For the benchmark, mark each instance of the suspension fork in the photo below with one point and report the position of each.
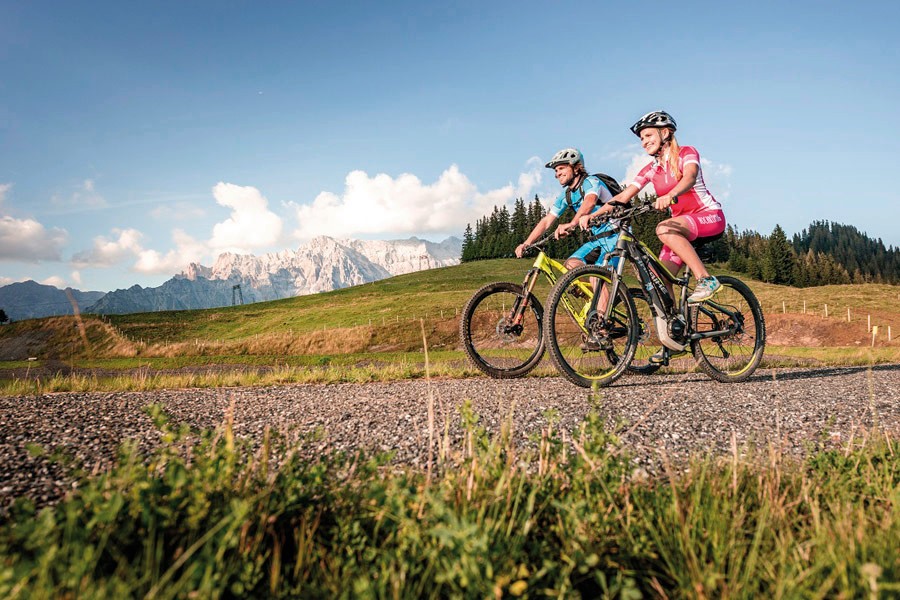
(595, 296)
(521, 304)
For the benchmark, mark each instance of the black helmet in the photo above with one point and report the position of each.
(657, 118)
(566, 156)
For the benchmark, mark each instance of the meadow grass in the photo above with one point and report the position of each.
(364, 333)
(381, 313)
(210, 371)
(208, 515)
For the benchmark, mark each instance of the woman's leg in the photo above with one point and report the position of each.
(676, 233)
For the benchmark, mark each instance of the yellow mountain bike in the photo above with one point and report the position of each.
(501, 328)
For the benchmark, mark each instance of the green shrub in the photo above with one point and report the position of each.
(210, 516)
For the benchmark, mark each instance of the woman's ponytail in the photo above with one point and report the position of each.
(674, 151)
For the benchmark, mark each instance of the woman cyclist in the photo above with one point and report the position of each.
(675, 172)
(582, 193)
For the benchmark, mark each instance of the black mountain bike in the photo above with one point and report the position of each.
(596, 343)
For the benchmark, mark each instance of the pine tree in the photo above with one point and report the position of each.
(779, 258)
(519, 224)
(468, 244)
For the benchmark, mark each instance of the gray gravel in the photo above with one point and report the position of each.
(679, 414)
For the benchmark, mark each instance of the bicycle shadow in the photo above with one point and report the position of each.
(774, 374)
(812, 373)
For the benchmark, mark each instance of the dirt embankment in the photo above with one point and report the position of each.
(809, 330)
(57, 340)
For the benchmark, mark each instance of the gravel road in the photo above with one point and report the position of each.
(682, 414)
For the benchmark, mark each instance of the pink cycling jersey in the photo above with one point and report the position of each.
(696, 199)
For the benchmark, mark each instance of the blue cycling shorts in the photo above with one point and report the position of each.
(595, 251)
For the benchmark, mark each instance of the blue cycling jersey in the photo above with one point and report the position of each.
(590, 185)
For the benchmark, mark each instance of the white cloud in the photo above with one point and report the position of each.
(108, 252)
(718, 178)
(85, 196)
(76, 277)
(4, 188)
(404, 205)
(29, 241)
(57, 282)
(187, 250)
(638, 162)
(251, 224)
(125, 245)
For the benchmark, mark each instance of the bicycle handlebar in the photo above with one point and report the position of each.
(540, 243)
(626, 211)
(622, 211)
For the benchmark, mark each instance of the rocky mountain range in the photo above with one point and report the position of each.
(30, 300)
(322, 265)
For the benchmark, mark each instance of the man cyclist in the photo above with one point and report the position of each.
(584, 194)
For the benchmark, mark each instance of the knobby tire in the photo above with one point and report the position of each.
(731, 357)
(484, 334)
(599, 357)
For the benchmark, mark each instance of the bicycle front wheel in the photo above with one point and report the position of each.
(734, 332)
(502, 337)
(587, 349)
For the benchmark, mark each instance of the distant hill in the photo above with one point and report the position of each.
(393, 315)
(864, 258)
(322, 265)
(31, 300)
(175, 294)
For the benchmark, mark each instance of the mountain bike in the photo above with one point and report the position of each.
(501, 328)
(725, 334)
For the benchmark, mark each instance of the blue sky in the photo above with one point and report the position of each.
(136, 137)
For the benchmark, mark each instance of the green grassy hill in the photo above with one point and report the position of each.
(376, 317)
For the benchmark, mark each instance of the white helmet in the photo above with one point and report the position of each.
(566, 156)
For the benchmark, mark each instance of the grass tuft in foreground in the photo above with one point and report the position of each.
(209, 516)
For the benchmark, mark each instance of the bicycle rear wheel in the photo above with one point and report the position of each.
(586, 350)
(735, 354)
(494, 343)
(648, 341)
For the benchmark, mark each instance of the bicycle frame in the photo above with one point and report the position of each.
(551, 269)
(651, 273)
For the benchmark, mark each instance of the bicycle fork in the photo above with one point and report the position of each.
(521, 305)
